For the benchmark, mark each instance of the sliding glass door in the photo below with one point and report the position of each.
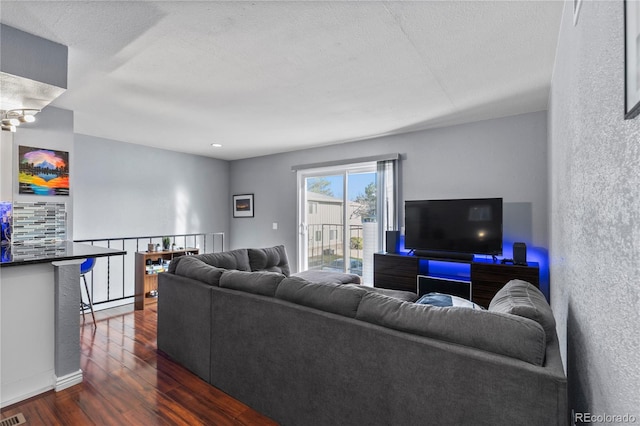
(339, 220)
(324, 221)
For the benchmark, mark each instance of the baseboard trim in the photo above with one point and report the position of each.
(69, 380)
(24, 396)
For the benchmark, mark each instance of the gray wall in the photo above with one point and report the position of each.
(127, 190)
(29, 56)
(506, 157)
(53, 129)
(594, 162)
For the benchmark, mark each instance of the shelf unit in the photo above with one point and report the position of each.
(145, 282)
(400, 272)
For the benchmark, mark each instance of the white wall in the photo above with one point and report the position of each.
(506, 157)
(129, 190)
(27, 340)
(594, 169)
(26, 322)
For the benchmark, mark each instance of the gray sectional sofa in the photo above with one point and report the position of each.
(329, 353)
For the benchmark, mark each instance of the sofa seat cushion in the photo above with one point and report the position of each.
(262, 283)
(329, 297)
(504, 334)
(272, 259)
(316, 276)
(192, 267)
(521, 298)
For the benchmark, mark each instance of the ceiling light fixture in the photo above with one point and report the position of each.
(216, 145)
(27, 118)
(14, 117)
(10, 122)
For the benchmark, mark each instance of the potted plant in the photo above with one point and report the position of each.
(166, 242)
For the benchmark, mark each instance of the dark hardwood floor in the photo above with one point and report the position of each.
(127, 382)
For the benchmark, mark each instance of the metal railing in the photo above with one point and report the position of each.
(112, 279)
(325, 246)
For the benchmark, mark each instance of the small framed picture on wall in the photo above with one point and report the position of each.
(632, 58)
(243, 205)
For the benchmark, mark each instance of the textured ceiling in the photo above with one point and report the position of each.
(264, 77)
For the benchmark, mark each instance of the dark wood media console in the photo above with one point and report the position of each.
(400, 272)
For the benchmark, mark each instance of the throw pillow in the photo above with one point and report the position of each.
(446, 300)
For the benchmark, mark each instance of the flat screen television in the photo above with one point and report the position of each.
(449, 228)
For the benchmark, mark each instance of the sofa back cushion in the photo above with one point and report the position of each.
(316, 276)
(234, 259)
(504, 334)
(521, 298)
(191, 267)
(330, 297)
(262, 283)
(272, 259)
(407, 296)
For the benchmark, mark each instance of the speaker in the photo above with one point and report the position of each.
(392, 241)
(519, 254)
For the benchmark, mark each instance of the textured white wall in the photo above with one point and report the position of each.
(594, 162)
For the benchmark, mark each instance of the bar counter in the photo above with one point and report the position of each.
(29, 254)
(40, 317)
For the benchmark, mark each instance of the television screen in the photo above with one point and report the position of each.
(467, 226)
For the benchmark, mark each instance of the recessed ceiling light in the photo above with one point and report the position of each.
(216, 145)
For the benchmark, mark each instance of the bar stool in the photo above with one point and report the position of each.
(85, 268)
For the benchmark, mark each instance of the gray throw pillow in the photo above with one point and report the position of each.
(520, 298)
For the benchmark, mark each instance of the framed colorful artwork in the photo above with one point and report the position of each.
(43, 171)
